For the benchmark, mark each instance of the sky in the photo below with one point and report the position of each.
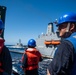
(26, 19)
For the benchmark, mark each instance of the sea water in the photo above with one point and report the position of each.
(16, 57)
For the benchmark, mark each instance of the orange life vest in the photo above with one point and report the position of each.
(1, 47)
(33, 57)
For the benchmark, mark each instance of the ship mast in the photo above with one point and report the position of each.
(19, 41)
(50, 28)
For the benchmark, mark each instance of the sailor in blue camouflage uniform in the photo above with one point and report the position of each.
(64, 61)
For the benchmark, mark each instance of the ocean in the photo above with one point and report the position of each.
(16, 57)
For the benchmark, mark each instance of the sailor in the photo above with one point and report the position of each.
(31, 58)
(5, 57)
(64, 61)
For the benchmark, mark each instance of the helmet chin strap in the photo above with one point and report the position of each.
(67, 33)
(68, 27)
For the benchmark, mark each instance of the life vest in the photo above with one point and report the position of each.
(1, 47)
(33, 57)
(72, 39)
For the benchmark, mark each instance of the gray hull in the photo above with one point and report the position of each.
(47, 50)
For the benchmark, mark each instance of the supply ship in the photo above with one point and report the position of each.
(19, 45)
(47, 43)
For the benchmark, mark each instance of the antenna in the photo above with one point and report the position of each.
(56, 21)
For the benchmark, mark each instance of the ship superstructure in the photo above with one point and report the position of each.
(47, 43)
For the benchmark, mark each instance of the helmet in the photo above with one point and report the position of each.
(32, 43)
(68, 17)
(1, 25)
